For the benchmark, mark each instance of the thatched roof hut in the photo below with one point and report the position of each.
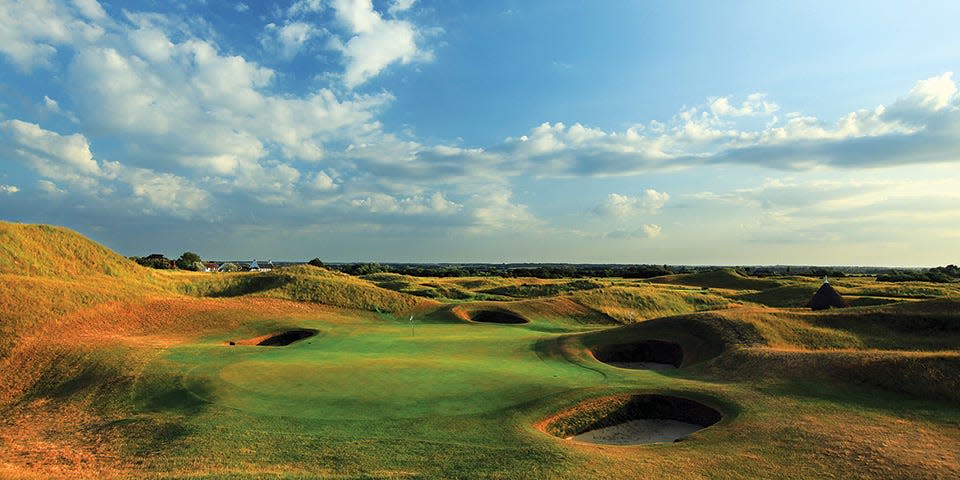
(826, 297)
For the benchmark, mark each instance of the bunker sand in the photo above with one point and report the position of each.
(638, 432)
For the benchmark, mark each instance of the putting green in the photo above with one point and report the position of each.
(371, 371)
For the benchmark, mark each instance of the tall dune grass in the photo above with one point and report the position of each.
(641, 302)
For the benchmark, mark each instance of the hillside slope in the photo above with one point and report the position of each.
(306, 283)
(726, 278)
(48, 272)
(58, 252)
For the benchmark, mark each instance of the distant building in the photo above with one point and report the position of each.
(826, 297)
(211, 267)
(256, 267)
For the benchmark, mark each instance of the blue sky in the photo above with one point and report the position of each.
(409, 130)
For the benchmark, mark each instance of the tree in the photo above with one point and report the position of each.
(316, 263)
(368, 268)
(229, 267)
(188, 261)
(156, 260)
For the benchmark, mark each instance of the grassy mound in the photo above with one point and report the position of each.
(921, 375)
(528, 289)
(306, 283)
(787, 296)
(48, 272)
(436, 288)
(726, 278)
(480, 288)
(58, 252)
(928, 325)
(701, 336)
(144, 326)
(550, 313)
(641, 302)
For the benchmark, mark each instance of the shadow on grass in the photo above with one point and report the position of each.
(248, 285)
(863, 397)
(168, 394)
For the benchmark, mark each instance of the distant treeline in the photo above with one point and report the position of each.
(584, 270)
(506, 270)
(947, 274)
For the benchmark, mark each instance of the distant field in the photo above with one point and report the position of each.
(110, 370)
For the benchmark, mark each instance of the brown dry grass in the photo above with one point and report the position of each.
(51, 440)
(552, 308)
(150, 324)
(644, 301)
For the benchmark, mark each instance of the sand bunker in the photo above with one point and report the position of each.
(645, 354)
(277, 339)
(288, 337)
(497, 316)
(633, 420)
(637, 432)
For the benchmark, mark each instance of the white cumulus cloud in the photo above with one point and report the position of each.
(649, 202)
(68, 158)
(373, 42)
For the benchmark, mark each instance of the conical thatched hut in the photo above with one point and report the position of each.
(826, 297)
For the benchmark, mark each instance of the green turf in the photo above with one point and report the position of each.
(373, 397)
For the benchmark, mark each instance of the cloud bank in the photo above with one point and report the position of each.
(157, 118)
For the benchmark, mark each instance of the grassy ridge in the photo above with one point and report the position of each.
(726, 278)
(481, 288)
(554, 313)
(640, 302)
(306, 283)
(144, 325)
(910, 348)
(48, 272)
(923, 375)
(437, 288)
(57, 252)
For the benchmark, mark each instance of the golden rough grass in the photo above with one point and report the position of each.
(781, 329)
(480, 288)
(554, 308)
(890, 449)
(641, 302)
(48, 272)
(58, 252)
(930, 375)
(148, 325)
(304, 283)
(725, 278)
